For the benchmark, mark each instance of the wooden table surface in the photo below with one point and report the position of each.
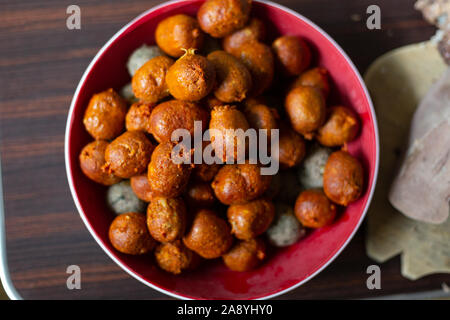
(41, 62)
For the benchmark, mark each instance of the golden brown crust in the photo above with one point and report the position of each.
(341, 126)
(138, 117)
(292, 147)
(315, 77)
(141, 187)
(199, 194)
(149, 83)
(292, 54)
(245, 255)
(209, 235)
(175, 257)
(179, 32)
(250, 219)
(313, 209)
(254, 30)
(92, 161)
(105, 115)
(260, 116)
(166, 218)
(128, 234)
(220, 18)
(343, 178)
(128, 154)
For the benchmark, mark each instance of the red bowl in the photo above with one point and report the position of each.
(287, 268)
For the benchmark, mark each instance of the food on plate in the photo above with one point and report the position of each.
(245, 255)
(285, 229)
(105, 115)
(240, 183)
(128, 154)
(310, 172)
(209, 235)
(178, 32)
(199, 194)
(220, 18)
(128, 234)
(149, 82)
(175, 257)
(291, 147)
(92, 160)
(120, 198)
(292, 54)
(341, 126)
(138, 117)
(205, 172)
(260, 116)
(166, 218)
(140, 56)
(254, 30)
(233, 80)
(313, 209)
(141, 187)
(191, 77)
(343, 178)
(250, 219)
(315, 77)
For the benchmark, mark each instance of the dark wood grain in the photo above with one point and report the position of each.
(41, 62)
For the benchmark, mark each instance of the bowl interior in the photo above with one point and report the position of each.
(285, 267)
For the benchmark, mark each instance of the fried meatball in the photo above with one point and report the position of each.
(316, 77)
(92, 160)
(120, 198)
(285, 229)
(240, 183)
(128, 234)
(128, 154)
(305, 107)
(292, 54)
(141, 187)
(260, 116)
(291, 147)
(254, 30)
(175, 114)
(250, 219)
(225, 120)
(245, 255)
(105, 115)
(220, 18)
(166, 218)
(313, 209)
(310, 172)
(209, 235)
(167, 179)
(233, 80)
(149, 83)
(178, 32)
(258, 59)
(206, 172)
(140, 56)
(138, 117)
(175, 257)
(210, 102)
(199, 194)
(341, 126)
(343, 178)
(191, 77)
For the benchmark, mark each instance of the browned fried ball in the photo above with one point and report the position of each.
(343, 178)
(105, 115)
(176, 114)
(149, 83)
(313, 209)
(341, 126)
(128, 154)
(175, 257)
(260, 116)
(227, 143)
(258, 59)
(167, 179)
(291, 147)
(250, 219)
(92, 161)
(128, 234)
(191, 77)
(292, 54)
(210, 102)
(240, 183)
(245, 255)
(220, 18)
(316, 77)
(305, 107)
(233, 80)
(178, 32)
(205, 172)
(138, 117)
(209, 235)
(141, 187)
(166, 218)
(254, 30)
(199, 194)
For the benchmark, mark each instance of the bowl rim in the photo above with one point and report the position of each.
(129, 270)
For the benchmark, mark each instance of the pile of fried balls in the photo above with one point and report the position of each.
(217, 68)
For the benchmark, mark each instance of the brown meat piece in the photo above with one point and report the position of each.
(291, 147)
(175, 257)
(313, 209)
(254, 30)
(105, 115)
(141, 187)
(341, 127)
(245, 255)
(199, 194)
(138, 117)
(316, 77)
(166, 219)
(260, 116)
(292, 54)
